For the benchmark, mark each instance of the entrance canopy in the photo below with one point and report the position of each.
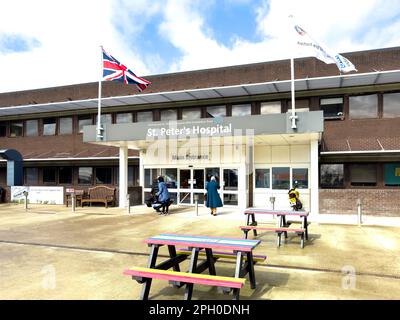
(261, 129)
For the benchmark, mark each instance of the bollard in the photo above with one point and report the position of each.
(196, 202)
(272, 200)
(73, 201)
(26, 193)
(359, 213)
(128, 200)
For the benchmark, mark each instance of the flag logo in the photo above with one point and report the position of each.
(299, 30)
(113, 70)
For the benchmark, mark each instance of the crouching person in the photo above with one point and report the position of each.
(163, 195)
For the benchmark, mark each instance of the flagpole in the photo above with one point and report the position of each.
(99, 127)
(293, 117)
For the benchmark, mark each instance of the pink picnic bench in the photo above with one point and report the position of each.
(283, 225)
(193, 247)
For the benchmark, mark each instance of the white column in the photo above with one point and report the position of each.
(141, 172)
(123, 176)
(314, 192)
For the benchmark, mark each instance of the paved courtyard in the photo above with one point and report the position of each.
(50, 252)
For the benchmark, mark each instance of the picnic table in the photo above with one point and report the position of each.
(180, 247)
(283, 226)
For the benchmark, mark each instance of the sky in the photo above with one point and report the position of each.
(49, 43)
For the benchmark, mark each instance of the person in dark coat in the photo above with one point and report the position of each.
(213, 199)
(163, 195)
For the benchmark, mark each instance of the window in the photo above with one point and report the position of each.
(49, 126)
(262, 178)
(216, 111)
(31, 176)
(105, 118)
(392, 174)
(191, 114)
(332, 107)
(16, 129)
(84, 121)
(281, 178)
(362, 107)
(301, 105)
(331, 175)
(363, 174)
(300, 178)
(144, 116)
(49, 175)
(133, 176)
(170, 177)
(212, 172)
(103, 175)
(65, 175)
(85, 175)
(391, 105)
(241, 110)
(169, 114)
(65, 126)
(123, 118)
(3, 129)
(270, 107)
(149, 176)
(31, 128)
(230, 179)
(230, 199)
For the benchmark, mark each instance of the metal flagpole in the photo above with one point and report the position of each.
(99, 127)
(293, 117)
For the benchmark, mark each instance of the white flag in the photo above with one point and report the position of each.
(321, 52)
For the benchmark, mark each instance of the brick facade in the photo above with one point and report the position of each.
(376, 202)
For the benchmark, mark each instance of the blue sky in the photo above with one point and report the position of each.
(52, 43)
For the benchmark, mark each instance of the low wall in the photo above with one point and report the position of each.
(376, 202)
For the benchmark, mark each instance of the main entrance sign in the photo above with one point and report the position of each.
(188, 131)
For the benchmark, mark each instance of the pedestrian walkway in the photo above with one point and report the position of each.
(50, 252)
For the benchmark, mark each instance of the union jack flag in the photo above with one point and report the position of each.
(113, 70)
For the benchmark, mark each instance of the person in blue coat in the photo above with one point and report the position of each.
(213, 199)
(163, 195)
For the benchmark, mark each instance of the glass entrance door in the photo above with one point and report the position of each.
(191, 183)
(185, 186)
(198, 185)
(230, 186)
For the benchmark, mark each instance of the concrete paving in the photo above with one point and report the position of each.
(50, 252)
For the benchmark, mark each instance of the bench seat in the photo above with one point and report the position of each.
(276, 229)
(141, 274)
(220, 254)
(101, 194)
(279, 230)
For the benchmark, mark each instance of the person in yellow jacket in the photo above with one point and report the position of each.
(294, 198)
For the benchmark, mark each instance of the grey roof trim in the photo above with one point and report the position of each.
(73, 159)
(327, 153)
(339, 81)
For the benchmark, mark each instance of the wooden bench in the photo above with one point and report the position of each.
(220, 254)
(100, 194)
(279, 230)
(141, 275)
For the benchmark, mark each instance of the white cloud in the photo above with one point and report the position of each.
(70, 32)
(343, 25)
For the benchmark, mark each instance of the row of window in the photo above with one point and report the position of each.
(360, 174)
(83, 175)
(281, 178)
(360, 107)
(65, 125)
